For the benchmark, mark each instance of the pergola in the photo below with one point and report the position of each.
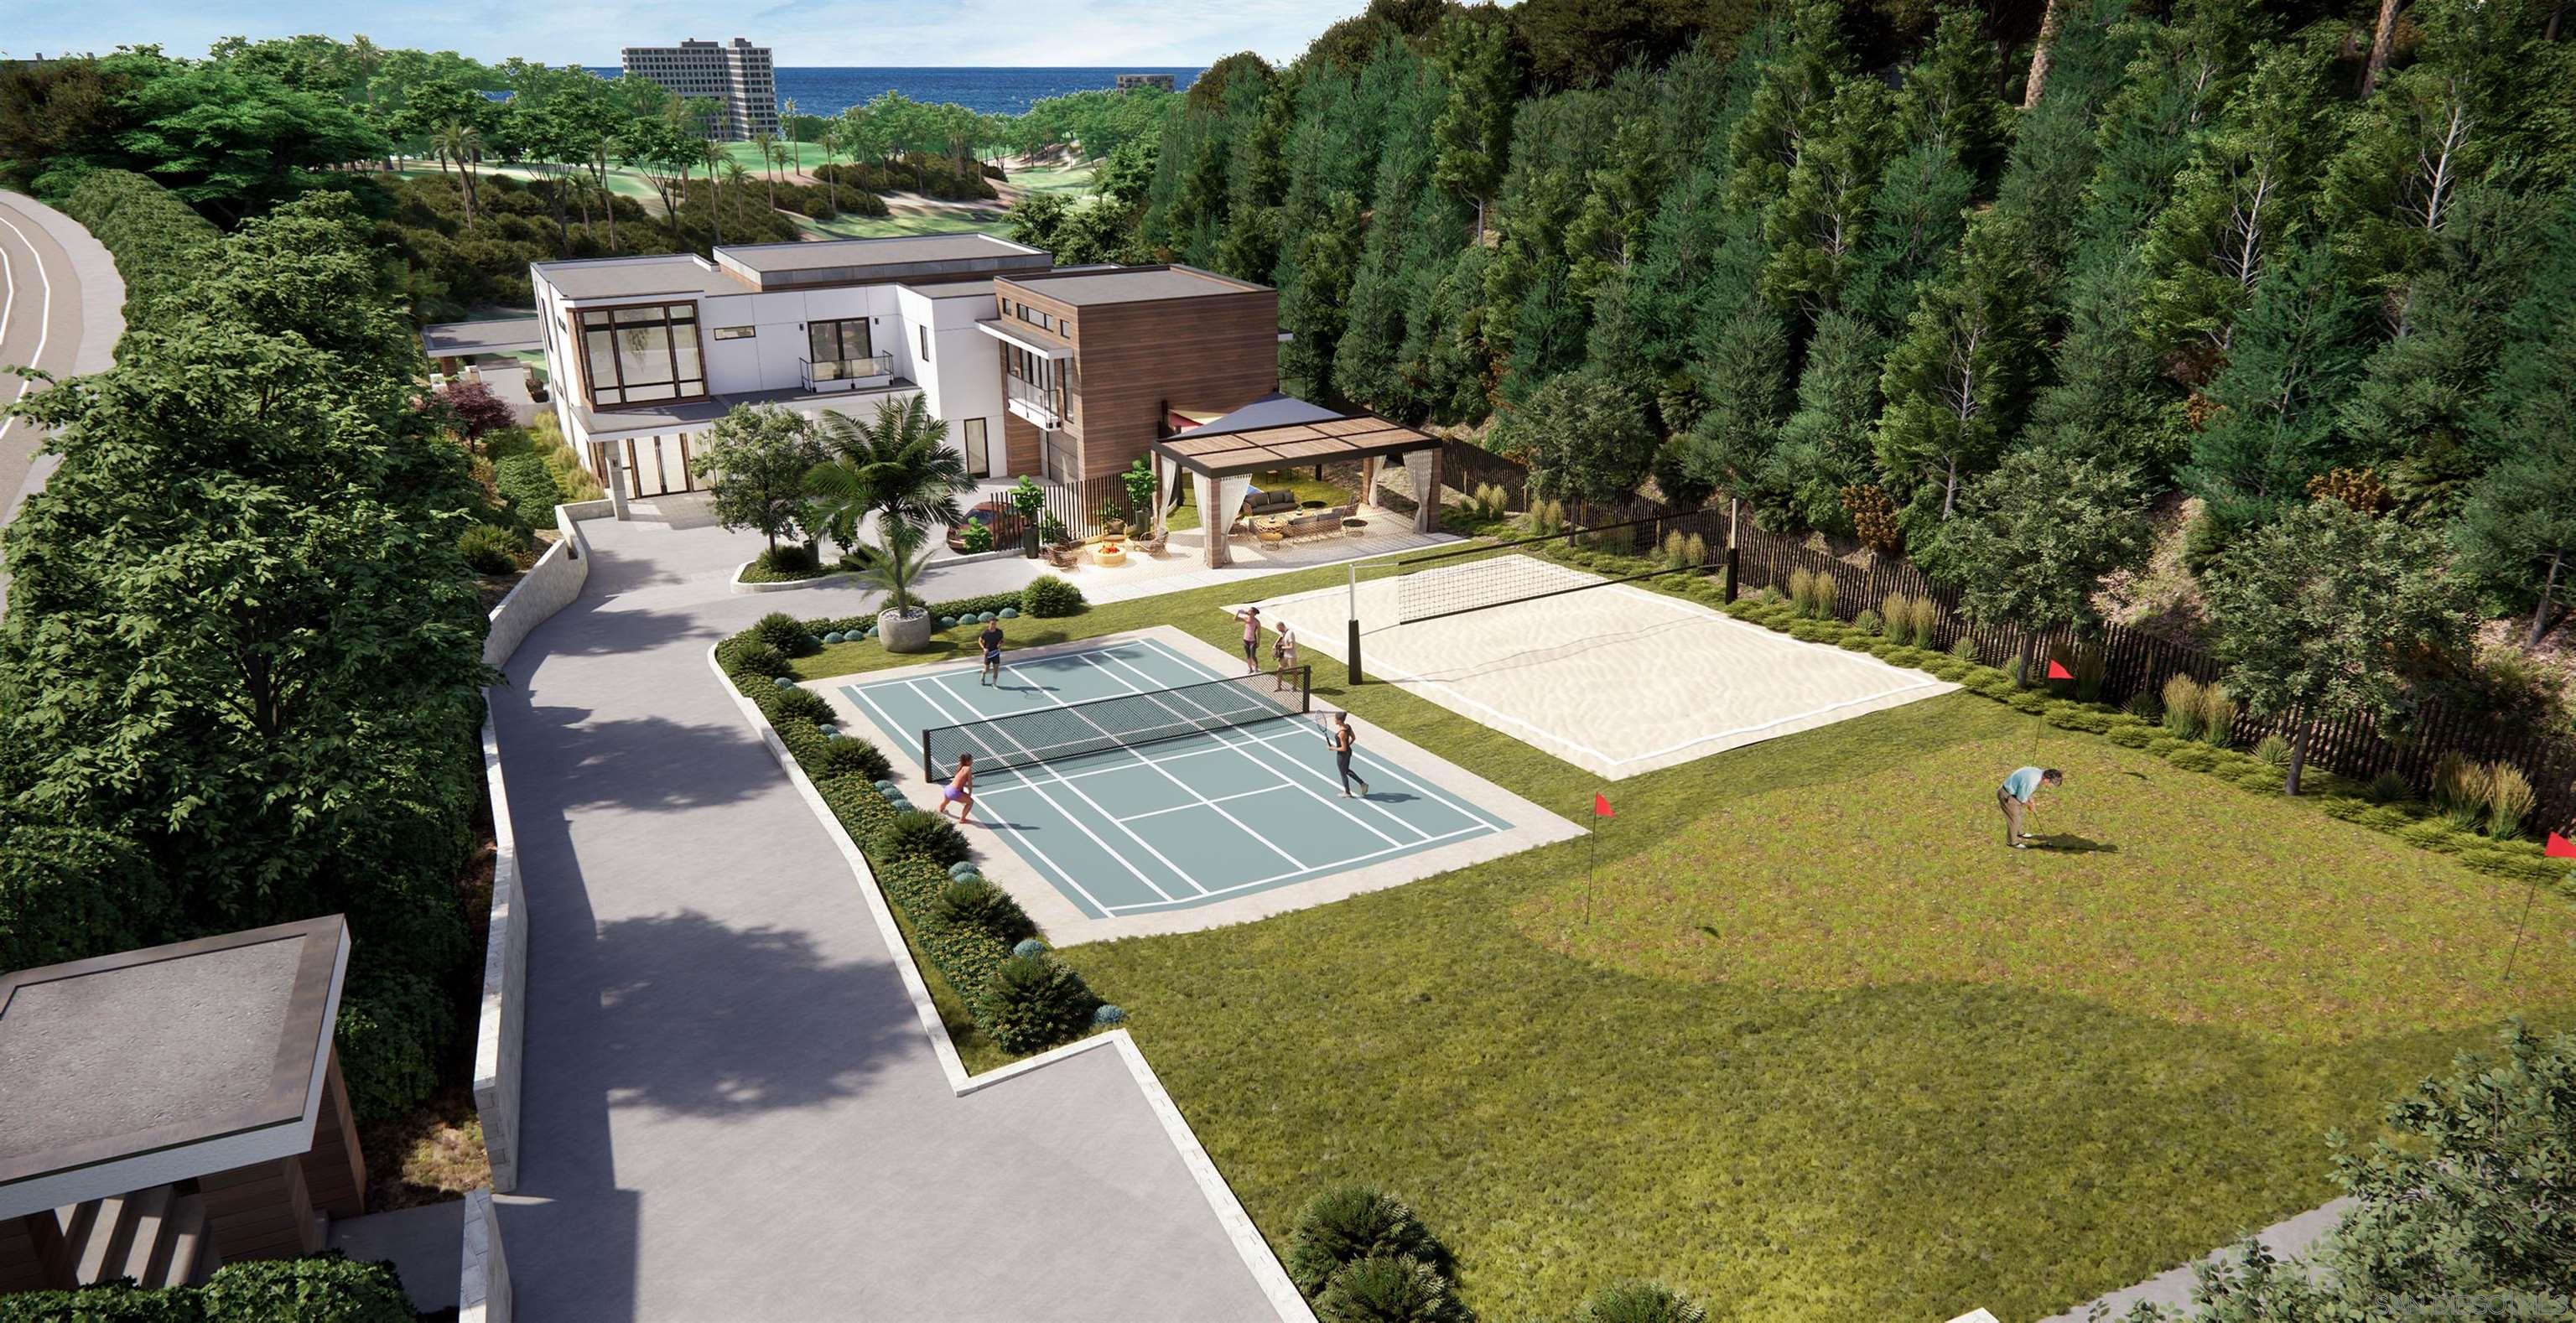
(1283, 432)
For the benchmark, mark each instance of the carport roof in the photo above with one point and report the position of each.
(498, 335)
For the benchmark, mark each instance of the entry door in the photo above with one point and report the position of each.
(979, 460)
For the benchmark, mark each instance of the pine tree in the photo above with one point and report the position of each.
(1792, 90)
(1815, 226)
(1326, 262)
(2053, 151)
(1948, 100)
(2430, 130)
(2411, 414)
(1957, 382)
(2517, 536)
(1474, 132)
(2169, 97)
(1414, 226)
(1915, 223)
(1609, 228)
(1825, 445)
(2111, 400)
(2296, 351)
(2236, 205)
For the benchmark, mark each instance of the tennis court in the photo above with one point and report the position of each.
(1614, 678)
(1195, 789)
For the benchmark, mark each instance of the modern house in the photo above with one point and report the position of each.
(737, 76)
(175, 1108)
(1068, 375)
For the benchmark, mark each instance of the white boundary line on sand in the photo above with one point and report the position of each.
(1685, 609)
(1239, 1229)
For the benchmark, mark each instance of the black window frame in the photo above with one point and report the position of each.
(612, 321)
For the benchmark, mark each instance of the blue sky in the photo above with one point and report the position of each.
(803, 32)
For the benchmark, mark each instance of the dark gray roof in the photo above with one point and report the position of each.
(129, 1058)
(953, 289)
(1255, 447)
(1130, 285)
(907, 257)
(1271, 410)
(499, 335)
(638, 277)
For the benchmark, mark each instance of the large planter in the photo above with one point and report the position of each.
(908, 632)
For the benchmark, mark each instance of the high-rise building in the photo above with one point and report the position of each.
(737, 76)
(1127, 81)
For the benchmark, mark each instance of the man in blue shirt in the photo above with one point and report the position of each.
(2015, 797)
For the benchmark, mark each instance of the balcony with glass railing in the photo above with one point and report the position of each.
(845, 373)
(1042, 405)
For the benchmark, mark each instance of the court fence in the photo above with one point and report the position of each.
(2135, 662)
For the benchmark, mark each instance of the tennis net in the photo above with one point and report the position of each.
(1049, 734)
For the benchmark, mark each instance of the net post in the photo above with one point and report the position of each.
(928, 772)
(1353, 643)
(1306, 688)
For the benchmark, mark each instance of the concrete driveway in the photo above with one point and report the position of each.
(730, 1110)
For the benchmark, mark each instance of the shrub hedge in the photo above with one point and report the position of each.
(159, 242)
(327, 1288)
(965, 955)
(1032, 1002)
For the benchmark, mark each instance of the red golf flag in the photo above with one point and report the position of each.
(2057, 671)
(2560, 847)
(1601, 807)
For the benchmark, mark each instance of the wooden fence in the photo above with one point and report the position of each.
(2137, 662)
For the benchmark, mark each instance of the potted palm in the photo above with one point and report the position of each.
(896, 472)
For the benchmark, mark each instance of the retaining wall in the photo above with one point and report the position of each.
(549, 587)
(483, 1282)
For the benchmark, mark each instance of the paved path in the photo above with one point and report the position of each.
(60, 302)
(730, 1110)
(2288, 1238)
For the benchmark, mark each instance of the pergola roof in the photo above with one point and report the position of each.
(144, 1067)
(1282, 432)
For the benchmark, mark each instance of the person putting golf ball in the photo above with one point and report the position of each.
(2019, 794)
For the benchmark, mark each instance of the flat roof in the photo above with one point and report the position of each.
(498, 335)
(638, 277)
(147, 1066)
(1142, 284)
(689, 415)
(1220, 451)
(910, 258)
(952, 289)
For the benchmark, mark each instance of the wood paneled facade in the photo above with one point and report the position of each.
(1134, 362)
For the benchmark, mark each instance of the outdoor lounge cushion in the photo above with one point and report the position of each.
(1270, 502)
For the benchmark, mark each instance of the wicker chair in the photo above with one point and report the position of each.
(1065, 556)
(1150, 546)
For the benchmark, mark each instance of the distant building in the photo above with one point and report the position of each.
(1127, 81)
(736, 76)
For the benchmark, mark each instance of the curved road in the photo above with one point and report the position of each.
(60, 302)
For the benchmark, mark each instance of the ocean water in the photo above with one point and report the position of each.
(829, 91)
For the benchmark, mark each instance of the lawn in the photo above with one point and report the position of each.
(1823, 1049)
(878, 227)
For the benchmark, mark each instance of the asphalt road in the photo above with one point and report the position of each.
(59, 301)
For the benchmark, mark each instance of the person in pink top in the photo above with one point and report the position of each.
(961, 790)
(1251, 618)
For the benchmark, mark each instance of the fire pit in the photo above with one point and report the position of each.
(1110, 553)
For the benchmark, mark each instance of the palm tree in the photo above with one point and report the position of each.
(462, 143)
(897, 467)
(831, 140)
(736, 176)
(767, 145)
(712, 155)
(787, 128)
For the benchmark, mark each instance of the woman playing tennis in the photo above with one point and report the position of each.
(961, 789)
(1284, 657)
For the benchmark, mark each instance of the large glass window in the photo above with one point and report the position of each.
(639, 355)
(838, 342)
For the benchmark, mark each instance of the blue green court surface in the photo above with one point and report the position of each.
(1231, 804)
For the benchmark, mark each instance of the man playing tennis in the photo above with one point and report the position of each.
(2019, 794)
(1251, 618)
(1342, 737)
(991, 638)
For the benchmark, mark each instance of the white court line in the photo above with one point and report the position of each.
(996, 825)
(1079, 824)
(1333, 867)
(44, 321)
(1137, 758)
(1391, 771)
(1240, 824)
(1356, 820)
(1240, 794)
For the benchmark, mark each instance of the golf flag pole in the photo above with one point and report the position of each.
(1592, 867)
(2559, 847)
